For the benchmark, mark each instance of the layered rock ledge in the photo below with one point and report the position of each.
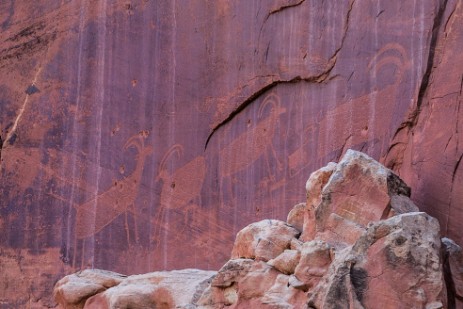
(357, 242)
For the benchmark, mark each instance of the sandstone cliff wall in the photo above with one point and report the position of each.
(158, 129)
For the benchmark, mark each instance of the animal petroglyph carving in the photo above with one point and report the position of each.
(361, 125)
(358, 125)
(249, 146)
(180, 187)
(93, 215)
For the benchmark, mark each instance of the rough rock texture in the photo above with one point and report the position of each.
(263, 240)
(453, 270)
(392, 257)
(133, 126)
(74, 289)
(296, 216)
(396, 263)
(174, 289)
(313, 187)
(359, 191)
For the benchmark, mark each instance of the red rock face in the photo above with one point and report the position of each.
(426, 150)
(159, 130)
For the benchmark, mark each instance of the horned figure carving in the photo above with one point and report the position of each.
(93, 215)
(249, 146)
(180, 187)
(360, 125)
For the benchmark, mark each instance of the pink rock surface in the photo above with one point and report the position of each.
(296, 216)
(286, 262)
(314, 187)
(263, 240)
(72, 291)
(358, 192)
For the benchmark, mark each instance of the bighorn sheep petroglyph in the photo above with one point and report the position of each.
(249, 146)
(93, 215)
(179, 187)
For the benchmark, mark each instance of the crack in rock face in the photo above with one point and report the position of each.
(370, 252)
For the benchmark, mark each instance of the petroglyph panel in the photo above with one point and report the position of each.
(141, 137)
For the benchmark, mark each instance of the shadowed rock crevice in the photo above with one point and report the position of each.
(1, 147)
(436, 29)
(455, 169)
(359, 279)
(402, 137)
(284, 7)
(315, 79)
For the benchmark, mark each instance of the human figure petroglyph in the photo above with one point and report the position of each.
(93, 215)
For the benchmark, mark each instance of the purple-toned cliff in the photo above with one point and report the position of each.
(143, 135)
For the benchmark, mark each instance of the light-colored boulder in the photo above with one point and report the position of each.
(282, 295)
(316, 257)
(166, 289)
(358, 192)
(239, 283)
(314, 187)
(286, 262)
(296, 216)
(263, 240)
(297, 284)
(453, 268)
(296, 244)
(231, 272)
(72, 291)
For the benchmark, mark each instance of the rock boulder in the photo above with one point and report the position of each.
(263, 240)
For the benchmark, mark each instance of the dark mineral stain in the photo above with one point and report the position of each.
(338, 294)
(6, 22)
(358, 277)
(13, 138)
(64, 254)
(32, 89)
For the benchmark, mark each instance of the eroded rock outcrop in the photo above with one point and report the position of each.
(363, 243)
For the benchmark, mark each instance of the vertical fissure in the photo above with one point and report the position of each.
(425, 81)
(1, 147)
